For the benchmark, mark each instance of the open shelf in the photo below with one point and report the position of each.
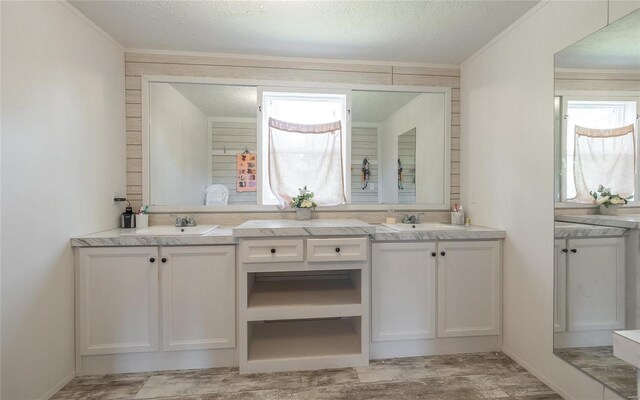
(303, 295)
(296, 299)
(304, 344)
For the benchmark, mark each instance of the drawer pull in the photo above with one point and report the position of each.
(574, 251)
(337, 249)
(442, 253)
(164, 260)
(152, 260)
(433, 254)
(273, 251)
(565, 250)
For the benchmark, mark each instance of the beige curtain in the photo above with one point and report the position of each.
(604, 157)
(306, 155)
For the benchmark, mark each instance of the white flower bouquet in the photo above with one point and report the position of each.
(604, 197)
(304, 200)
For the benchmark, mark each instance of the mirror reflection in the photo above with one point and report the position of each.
(204, 147)
(597, 93)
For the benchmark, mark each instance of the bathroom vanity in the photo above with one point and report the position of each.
(284, 295)
(596, 295)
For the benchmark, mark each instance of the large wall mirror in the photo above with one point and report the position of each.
(214, 146)
(597, 98)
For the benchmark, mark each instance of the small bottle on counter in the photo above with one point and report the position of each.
(467, 222)
(391, 216)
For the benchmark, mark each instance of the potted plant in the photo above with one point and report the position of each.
(607, 201)
(303, 203)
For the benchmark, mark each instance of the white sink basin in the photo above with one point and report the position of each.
(169, 230)
(424, 227)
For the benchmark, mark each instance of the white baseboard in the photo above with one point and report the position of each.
(537, 374)
(58, 386)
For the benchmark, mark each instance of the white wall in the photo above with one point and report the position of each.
(63, 156)
(179, 145)
(507, 168)
(425, 113)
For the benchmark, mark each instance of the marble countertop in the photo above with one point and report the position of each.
(573, 230)
(287, 228)
(122, 237)
(313, 227)
(630, 221)
(472, 232)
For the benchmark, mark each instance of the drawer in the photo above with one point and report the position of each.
(348, 249)
(266, 251)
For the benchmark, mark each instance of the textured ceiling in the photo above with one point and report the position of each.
(240, 101)
(616, 46)
(439, 32)
(219, 100)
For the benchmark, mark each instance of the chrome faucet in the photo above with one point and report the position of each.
(412, 219)
(185, 221)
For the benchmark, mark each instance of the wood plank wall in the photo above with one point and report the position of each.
(595, 80)
(138, 64)
(364, 143)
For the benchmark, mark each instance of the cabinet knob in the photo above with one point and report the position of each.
(152, 260)
(273, 251)
(164, 260)
(434, 254)
(574, 251)
(337, 249)
(442, 253)
(565, 250)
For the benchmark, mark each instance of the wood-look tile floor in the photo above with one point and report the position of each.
(600, 363)
(451, 377)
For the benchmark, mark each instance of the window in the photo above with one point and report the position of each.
(303, 140)
(590, 161)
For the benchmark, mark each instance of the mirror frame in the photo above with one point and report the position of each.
(148, 79)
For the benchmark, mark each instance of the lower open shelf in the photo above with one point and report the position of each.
(304, 344)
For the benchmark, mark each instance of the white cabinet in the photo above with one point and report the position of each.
(118, 300)
(303, 312)
(121, 290)
(595, 284)
(468, 288)
(403, 291)
(560, 285)
(198, 297)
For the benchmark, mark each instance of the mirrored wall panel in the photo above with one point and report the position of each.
(206, 145)
(402, 136)
(597, 102)
(597, 93)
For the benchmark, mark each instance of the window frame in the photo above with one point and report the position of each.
(560, 155)
(263, 132)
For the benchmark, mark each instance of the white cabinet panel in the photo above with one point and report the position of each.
(560, 285)
(198, 297)
(468, 288)
(341, 249)
(271, 251)
(403, 293)
(118, 300)
(595, 284)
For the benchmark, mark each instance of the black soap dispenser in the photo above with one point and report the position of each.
(128, 219)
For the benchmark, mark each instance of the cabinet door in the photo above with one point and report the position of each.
(468, 288)
(403, 292)
(595, 284)
(198, 297)
(118, 300)
(560, 285)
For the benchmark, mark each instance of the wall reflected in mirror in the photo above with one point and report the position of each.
(597, 92)
(397, 143)
(403, 135)
(407, 167)
(195, 134)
